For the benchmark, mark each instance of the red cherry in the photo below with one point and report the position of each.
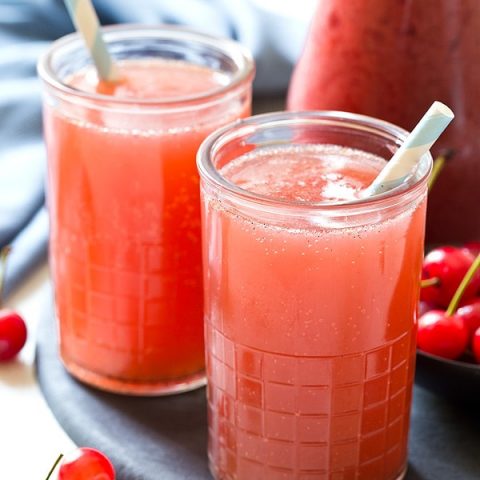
(424, 307)
(440, 335)
(13, 331)
(86, 464)
(476, 345)
(13, 334)
(472, 247)
(449, 265)
(469, 314)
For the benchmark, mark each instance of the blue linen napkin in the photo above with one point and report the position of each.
(26, 29)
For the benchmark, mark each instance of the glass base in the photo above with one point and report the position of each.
(215, 475)
(123, 387)
(402, 475)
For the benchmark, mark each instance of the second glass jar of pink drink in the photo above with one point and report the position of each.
(391, 59)
(310, 298)
(123, 198)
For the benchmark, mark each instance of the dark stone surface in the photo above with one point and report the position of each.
(153, 438)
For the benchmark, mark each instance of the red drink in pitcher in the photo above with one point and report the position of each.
(391, 59)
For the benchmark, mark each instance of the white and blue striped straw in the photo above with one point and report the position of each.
(417, 143)
(86, 22)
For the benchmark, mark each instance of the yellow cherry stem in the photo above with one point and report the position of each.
(54, 466)
(452, 307)
(437, 167)
(429, 282)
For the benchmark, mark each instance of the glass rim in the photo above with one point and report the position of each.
(209, 172)
(234, 50)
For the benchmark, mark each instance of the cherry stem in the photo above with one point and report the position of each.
(438, 165)
(429, 282)
(452, 307)
(4, 252)
(54, 466)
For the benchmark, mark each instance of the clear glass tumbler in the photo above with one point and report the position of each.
(310, 307)
(123, 198)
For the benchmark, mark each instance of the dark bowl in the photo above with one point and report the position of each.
(457, 380)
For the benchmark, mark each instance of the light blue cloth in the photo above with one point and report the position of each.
(26, 29)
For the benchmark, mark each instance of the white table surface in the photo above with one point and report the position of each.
(30, 437)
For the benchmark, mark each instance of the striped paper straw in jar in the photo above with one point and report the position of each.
(86, 22)
(418, 142)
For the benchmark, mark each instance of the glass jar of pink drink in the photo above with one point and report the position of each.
(310, 298)
(123, 199)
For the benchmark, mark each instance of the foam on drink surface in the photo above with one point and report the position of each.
(162, 89)
(306, 173)
(151, 79)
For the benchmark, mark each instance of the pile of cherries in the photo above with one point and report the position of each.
(449, 309)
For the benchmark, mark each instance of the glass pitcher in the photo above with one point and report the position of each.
(391, 59)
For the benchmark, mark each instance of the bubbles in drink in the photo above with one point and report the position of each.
(306, 173)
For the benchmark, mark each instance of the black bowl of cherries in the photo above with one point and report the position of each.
(448, 341)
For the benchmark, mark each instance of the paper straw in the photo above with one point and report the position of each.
(419, 142)
(85, 19)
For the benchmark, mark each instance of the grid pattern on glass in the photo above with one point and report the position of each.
(116, 304)
(337, 417)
